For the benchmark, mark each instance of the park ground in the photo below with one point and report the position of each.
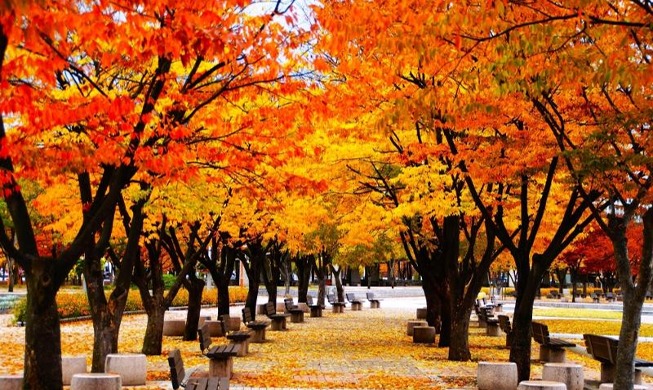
(366, 349)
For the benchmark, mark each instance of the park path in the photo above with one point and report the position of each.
(363, 350)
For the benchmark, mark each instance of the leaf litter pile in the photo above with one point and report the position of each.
(366, 349)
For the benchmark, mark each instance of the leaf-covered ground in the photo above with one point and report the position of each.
(366, 349)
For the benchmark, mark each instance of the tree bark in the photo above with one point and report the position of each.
(633, 294)
(153, 339)
(303, 274)
(195, 288)
(42, 331)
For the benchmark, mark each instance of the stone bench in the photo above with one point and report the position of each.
(231, 324)
(610, 386)
(569, 373)
(423, 334)
(132, 368)
(11, 382)
(215, 328)
(541, 385)
(304, 307)
(96, 381)
(411, 324)
(202, 319)
(174, 327)
(497, 376)
(71, 365)
(492, 328)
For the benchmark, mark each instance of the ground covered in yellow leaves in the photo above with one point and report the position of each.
(367, 349)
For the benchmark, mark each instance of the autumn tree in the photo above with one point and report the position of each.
(597, 110)
(128, 88)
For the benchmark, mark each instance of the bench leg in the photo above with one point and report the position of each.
(492, 330)
(607, 372)
(278, 324)
(552, 355)
(244, 347)
(258, 336)
(221, 367)
(297, 317)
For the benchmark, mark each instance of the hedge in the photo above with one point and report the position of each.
(73, 304)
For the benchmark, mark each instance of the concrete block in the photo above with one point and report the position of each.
(497, 376)
(132, 368)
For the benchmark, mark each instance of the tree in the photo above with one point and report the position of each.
(102, 97)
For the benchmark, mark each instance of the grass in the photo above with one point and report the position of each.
(577, 313)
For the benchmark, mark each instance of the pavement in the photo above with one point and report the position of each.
(401, 302)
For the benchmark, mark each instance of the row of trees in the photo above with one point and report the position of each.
(172, 134)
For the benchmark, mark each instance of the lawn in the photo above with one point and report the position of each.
(367, 349)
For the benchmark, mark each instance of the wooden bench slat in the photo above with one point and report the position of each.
(541, 336)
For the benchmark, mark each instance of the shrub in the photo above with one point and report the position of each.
(19, 310)
(72, 304)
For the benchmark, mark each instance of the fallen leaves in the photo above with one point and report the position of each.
(367, 349)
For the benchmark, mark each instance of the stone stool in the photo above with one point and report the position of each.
(424, 334)
(232, 324)
(412, 324)
(497, 376)
(203, 319)
(304, 307)
(421, 313)
(541, 385)
(281, 307)
(96, 381)
(215, 328)
(174, 327)
(569, 373)
(71, 365)
(11, 382)
(260, 309)
(609, 386)
(132, 368)
(492, 329)
(553, 355)
(337, 307)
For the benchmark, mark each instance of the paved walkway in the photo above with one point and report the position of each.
(357, 362)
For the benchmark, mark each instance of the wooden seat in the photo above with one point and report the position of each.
(337, 306)
(278, 319)
(178, 375)
(221, 356)
(316, 310)
(239, 337)
(356, 304)
(604, 349)
(212, 383)
(551, 350)
(506, 327)
(296, 314)
(257, 327)
(375, 303)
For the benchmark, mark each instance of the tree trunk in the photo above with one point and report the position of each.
(12, 274)
(520, 349)
(633, 295)
(42, 332)
(153, 339)
(106, 327)
(195, 288)
(303, 274)
(339, 290)
(459, 343)
(222, 285)
(442, 291)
